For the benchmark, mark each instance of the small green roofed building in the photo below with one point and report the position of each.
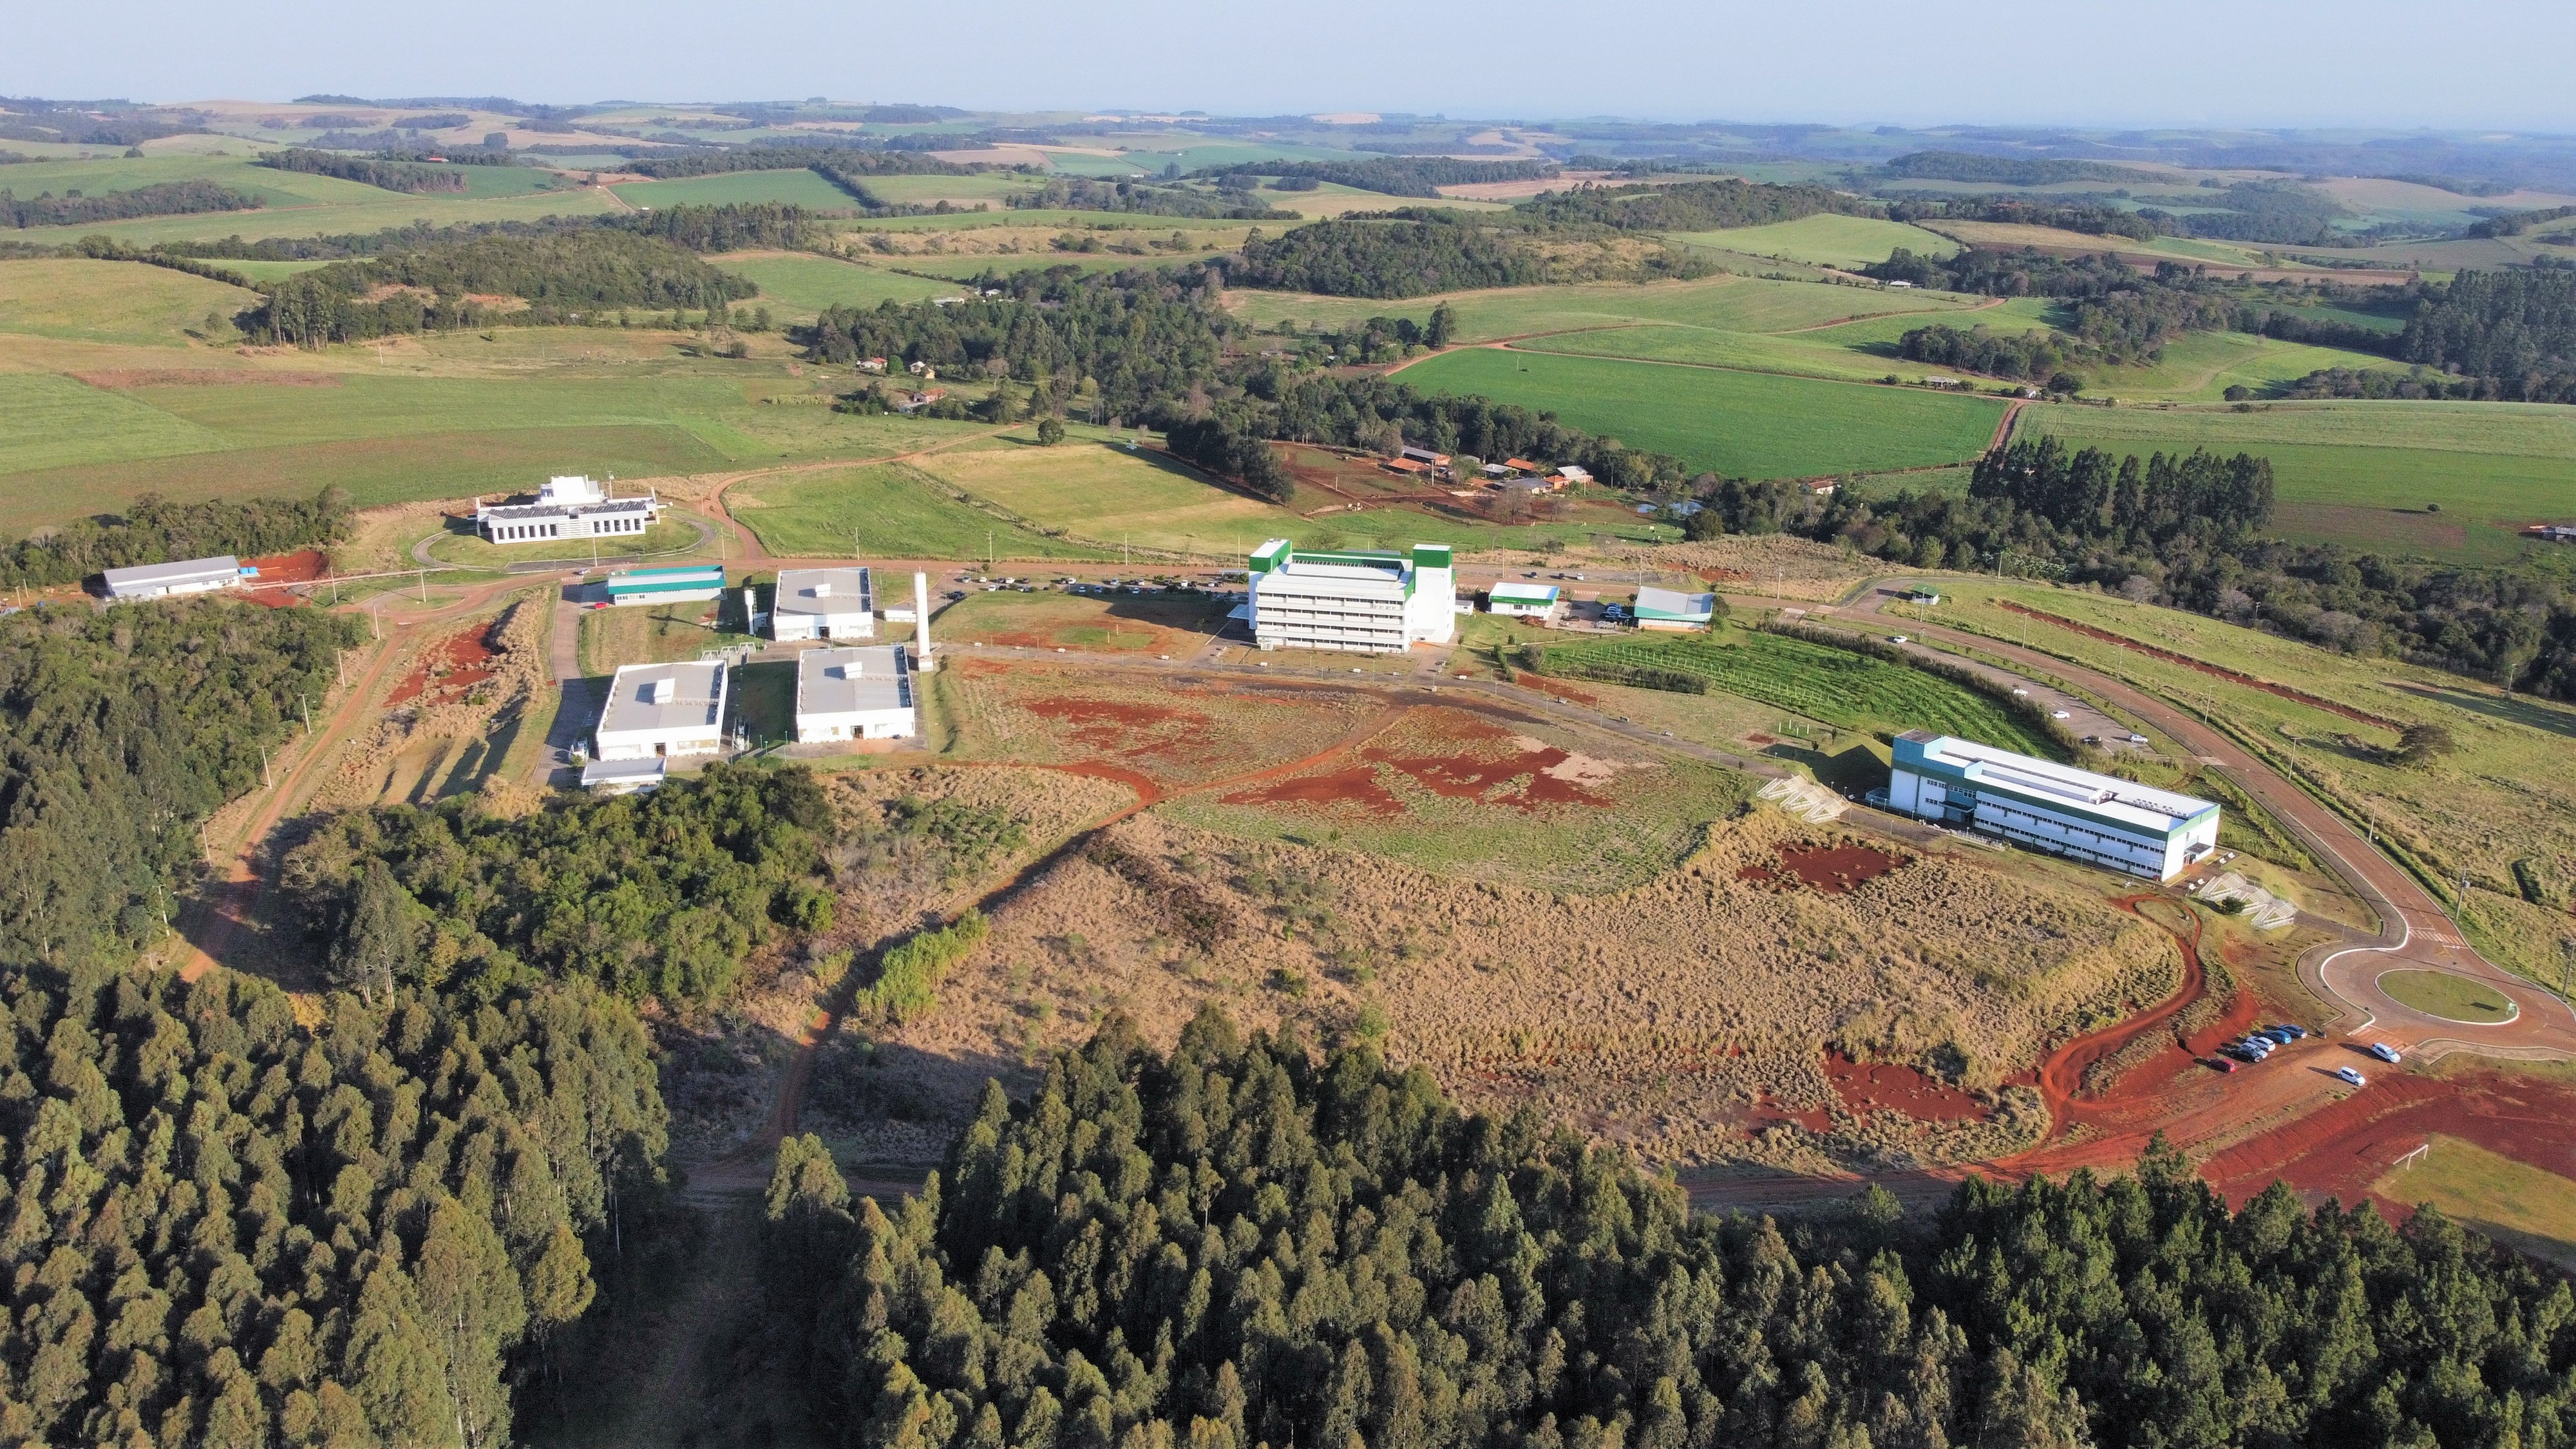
(1672, 609)
(1525, 601)
(666, 586)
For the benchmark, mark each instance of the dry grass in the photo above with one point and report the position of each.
(1771, 564)
(1176, 730)
(1687, 1018)
(446, 737)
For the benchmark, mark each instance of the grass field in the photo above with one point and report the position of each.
(48, 420)
(2513, 1202)
(2442, 994)
(1736, 423)
(472, 551)
(655, 634)
(1093, 488)
(890, 510)
(801, 284)
(1825, 239)
(81, 299)
(1156, 623)
(2491, 810)
(797, 187)
(1841, 688)
(1725, 303)
(295, 204)
(2362, 473)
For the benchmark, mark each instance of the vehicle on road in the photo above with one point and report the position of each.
(2059, 714)
(2137, 739)
(1895, 638)
(2347, 1074)
(2385, 1052)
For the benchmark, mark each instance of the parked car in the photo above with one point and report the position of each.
(2277, 1037)
(1895, 638)
(2347, 1074)
(2296, 1031)
(2385, 1052)
(2137, 739)
(2222, 1064)
(2059, 714)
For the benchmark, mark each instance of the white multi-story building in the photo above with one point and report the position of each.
(854, 694)
(1373, 601)
(573, 507)
(823, 604)
(662, 710)
(2048, 806)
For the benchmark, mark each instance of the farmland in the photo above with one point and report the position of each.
(888, 509)
(1168, 624)
(2491, 809)
(796, 187)
(1736, 423)
(800, 284)
(1093, 488)
(1852, 691)
(1824, 239)
(296, 204)
(1724, 303)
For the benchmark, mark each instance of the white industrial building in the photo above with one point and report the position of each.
(188, 576)
(823, 604)
(2048, 806)
(854, 694)
(625, 777)
(1525, 601)
(662, 710)
(1373, 601)
(573, 507)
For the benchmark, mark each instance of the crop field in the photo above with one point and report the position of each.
(2519, 1205)
(2492, 810)
(1853, 691)
(1826, 239)
(1686, 1018)
(1091, 487)
(1724, 303)
(299, 204)
(956, 190)
(1737, 423)
(801, 284)
(110, 301)
(793, 187)
(891, 510)
(2363, 473)
(1176, 625)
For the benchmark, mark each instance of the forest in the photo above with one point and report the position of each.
(161, 198)
(1240, 1243)
(846, 160)
(1412, 253)
(1420, 176)
(553, 270)
(1081, 193)
(2014, 170)
(656, 895)
(156, 530)
(408, 177)
(1689, 206)
(120, 730)
(2514, 330)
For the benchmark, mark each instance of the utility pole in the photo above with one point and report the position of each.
(376, 622)
(307, 702)
(424, 586)
(266, 780)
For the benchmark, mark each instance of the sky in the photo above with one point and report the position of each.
(2497, 64)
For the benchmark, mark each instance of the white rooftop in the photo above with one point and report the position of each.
(1673, 601)
(624, 772)
(573, 489)
(161, 575)
(848, 681)
(825, 591)
(1523, 593)
(2127, 801)
(646, 697)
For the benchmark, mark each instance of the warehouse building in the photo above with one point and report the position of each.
(572, 507)
(1671, 609)
(1374, 601)
(662, 710)
(189, 576)
(1525, 601)
(823, 604)
(854, 694)
(666, 586)
(2048, 806)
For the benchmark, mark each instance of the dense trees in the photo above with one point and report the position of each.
(121, 730)
(404, 176)
(161, 198)
(2031, 354)
(1391, 175)
(1689, 206)
(222, 1228)
(1411, 254)
(552, 270)
(846, 160)
(2089, 495)
(2516, 327)
(1239, 1244)
(156, 530)
(2014, 170)
(1081, 193)
(658, 894)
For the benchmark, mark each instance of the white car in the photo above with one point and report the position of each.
(2385, 1052)
(1895, 638)
(2350, 1077)
(2059, 714)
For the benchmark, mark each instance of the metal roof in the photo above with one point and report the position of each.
(849, 681)
(164, 575)
(693, 701)
(825, 591)
(1655, 603)
(2124, 804)
(1522, 593)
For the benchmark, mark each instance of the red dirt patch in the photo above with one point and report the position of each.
(2217, 671)
(1837, 870)
(1484, 774)
(449, 668)
(1893, 1087)
(1108, 725)
(1355, 788)
(2341, 1150)
(1558, 688)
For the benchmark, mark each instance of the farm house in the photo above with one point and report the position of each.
(854, 694)
(660, 710)
(1525, 601)
(1373, 601)
(2048, 806)
(666, 586)
(823, 604)
(570, 507)
(1671, 609)
(189, 576)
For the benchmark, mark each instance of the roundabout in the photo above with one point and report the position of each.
(2448, 996)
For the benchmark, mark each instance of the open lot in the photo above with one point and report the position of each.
(1740, 424)
(1174, 624)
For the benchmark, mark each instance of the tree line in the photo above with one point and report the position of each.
(156, 530)
(2516, 326)
(655, 895)
(161, 198)
(2014, 170)
(407, 177)
(1081, 193)
(554, 271)
(1412, 253)
(1241, 1244)
(1691, 206)
(1421, 176)
(843, 160)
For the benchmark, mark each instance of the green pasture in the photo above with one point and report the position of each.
(1742, 424)
(797, 187)
(295, 204)
(1852, 691)
(2526, 1208)
(805, 284)
(78, 299)
(2448, 995)
(48, 420)
(1722, 303)
(266, 271)
(990, 186)
(887, 510)
(2364, 473)
(1825, 239)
